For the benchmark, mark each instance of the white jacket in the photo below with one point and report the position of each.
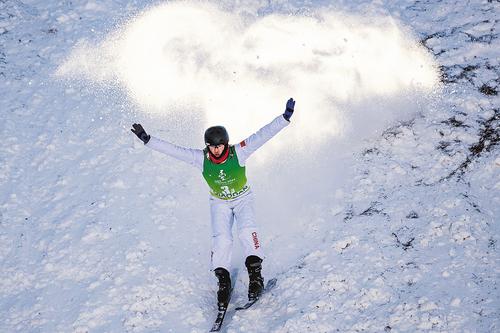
(244, 149)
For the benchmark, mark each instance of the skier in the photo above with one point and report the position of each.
(223, 167)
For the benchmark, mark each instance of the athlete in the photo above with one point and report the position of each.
(223, 167)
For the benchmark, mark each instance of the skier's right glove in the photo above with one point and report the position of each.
(290, 105)
(140, 132)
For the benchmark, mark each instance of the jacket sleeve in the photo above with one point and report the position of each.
(188, 155)
(248, 146)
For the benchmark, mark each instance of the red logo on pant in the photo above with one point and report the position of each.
(255, 240)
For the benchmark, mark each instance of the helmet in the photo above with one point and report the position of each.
(216, 135)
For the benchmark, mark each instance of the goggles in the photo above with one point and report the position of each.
(220, 146)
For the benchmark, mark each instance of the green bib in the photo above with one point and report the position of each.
(226, 180)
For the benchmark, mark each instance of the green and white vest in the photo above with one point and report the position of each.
(227, 180)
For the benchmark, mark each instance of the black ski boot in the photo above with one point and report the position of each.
(255, 280)
(224, 292)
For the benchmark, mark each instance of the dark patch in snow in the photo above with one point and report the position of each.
(301, 265)
(444, 146)
(492, 243)
(487, 90)
(470, 202)
(394, 131)
(349, 214)
(371, 151)
(489, 136)
(456, 73)
(424, 41)
(454, 122)
(372, 210)
(412, 215)
(346, 246)
(403, 233)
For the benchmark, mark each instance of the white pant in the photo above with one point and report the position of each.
(223, 214)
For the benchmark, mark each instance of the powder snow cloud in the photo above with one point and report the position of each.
(348, 73)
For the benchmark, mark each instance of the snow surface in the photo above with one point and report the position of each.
(378, 206)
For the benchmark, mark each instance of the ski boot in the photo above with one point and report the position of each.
(224, 292)
(255, 280)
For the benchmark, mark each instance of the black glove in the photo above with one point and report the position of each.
(140, 132)
(290, 105)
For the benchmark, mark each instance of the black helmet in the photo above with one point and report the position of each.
(216, 135)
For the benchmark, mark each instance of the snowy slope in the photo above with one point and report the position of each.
(392, 229)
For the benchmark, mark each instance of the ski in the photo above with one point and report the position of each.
(270, 285)
(221, 311)
(220, 319)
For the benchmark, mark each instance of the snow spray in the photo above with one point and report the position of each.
(345, 71)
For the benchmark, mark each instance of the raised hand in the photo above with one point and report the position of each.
(290, 105)
(140, 132)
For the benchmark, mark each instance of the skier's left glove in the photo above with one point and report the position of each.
(290, 105)
(140, 132)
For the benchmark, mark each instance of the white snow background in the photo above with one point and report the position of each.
(378, 205)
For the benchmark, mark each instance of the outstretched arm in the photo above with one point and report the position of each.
(248, 146)
(188, 155)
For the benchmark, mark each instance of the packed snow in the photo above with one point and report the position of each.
(378, 206)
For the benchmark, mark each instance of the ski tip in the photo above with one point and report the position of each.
(246, 305)
(216, 326)
(269, 285)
